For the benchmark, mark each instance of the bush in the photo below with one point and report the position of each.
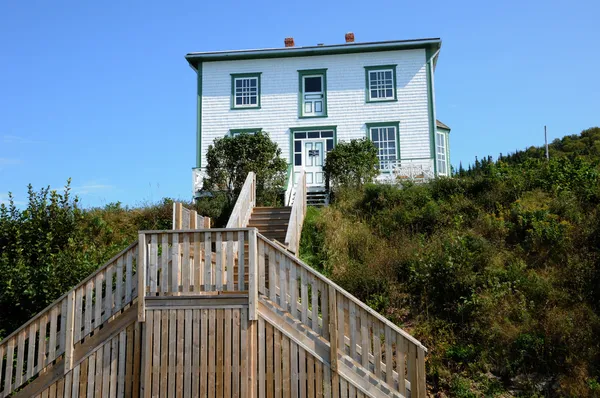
(353, 163)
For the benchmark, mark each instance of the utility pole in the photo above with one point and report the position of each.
(546, 140)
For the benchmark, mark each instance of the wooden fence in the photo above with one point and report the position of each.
(52, 335)
(184, 218)
(240, 215)
(292, 237)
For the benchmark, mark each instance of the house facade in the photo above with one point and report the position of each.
(310, 98)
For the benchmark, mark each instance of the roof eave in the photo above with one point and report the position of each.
(194, 58)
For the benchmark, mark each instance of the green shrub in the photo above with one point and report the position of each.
(352, 164)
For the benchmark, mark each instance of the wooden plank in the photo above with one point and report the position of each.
(204, 349)
(421, 377)
(137, 342)
(87, 327)
(30, 351)
(63, 326)
(78, 314)
(253, 275)
(253, 358)
(325, 310)
(98, 376)
(365, 339)
(121, 365)
(187, 354)
(412, 369)
(269, 359)
(195, 349)
(119, 285)
(69, 335)
(352, 335)
(164, 350)
(172, 352)
(153, 264)
(229, 270)
(147, 360)
(83, 378)
(327, 385)
(141, 271)
(108, 299)
(304, 296)
(261, 358)
(198, 272)
(318, 379)
(235, 364)
(91, 375)
(241, 265)
(219, 352)
(52, 335)
(73, 391)
(294, 366)
(302, 371)
(389, 357)
(286, 376)
(272, 274)
(219, 261)
(315, 304)
(227, 366)
(98, 302)
(154, 358)
(293, 290)
(164, 264)
(175, 264)
(185, 264)
(129, 276)
(282, 267)
(114, 354)
(262, 271)
(129, 362)
(277, 362)
(211, 352)
(180, 358)
(244, 348)
(8, 371)
(377, 357)
(310, 376)
(207, 262)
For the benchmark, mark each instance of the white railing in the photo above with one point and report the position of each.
(292, 237)
(198, 175)
(245, 203)
(290, 188)
(414, 170)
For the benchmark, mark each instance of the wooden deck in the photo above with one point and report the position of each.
(221, 313)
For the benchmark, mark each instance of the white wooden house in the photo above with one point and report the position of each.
(310, 98)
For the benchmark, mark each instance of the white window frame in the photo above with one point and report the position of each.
(381, 83)
(386, 160)
(246, 92)
(441, 153)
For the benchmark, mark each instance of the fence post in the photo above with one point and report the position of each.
(333, 341)
(252, 275)
(421, 377)
(141, 271)
(70, 317)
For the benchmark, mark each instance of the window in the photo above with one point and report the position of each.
(440, 153)
(312, 101)
(234, 132)
(245, 91)
(385, 138)
(381, 83)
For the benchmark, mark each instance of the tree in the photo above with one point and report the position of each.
(230, 159)
(352, 163)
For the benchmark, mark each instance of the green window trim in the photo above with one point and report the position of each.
(396, 125)
(199, 117)
(293, 131)
(233, 132)
(309, 72)
(235, 76)
(367, 86)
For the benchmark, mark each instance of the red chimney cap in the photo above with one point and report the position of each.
(289, 42)
(349, 37)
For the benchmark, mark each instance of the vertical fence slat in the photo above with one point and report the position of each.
(41, 362)
(8, 373)
(175, 264)
(98, 303)
(78, 314)
(20, 358)
(197, 262)
(401, 363)
(207, 261)
(108, 303)
(164, 264)
(253, 270)
(219, 262)
(141, 271)
(272, 274)
(241, 252)
(315, 304)
(30, 351)
(119, 285)
(129, 275)
(153, 263)
(185, 264)
(70, 330)
(52, 335)
(87, 328)
(230, 259)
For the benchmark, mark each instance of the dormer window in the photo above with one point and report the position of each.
(245, 91)
(381, 83)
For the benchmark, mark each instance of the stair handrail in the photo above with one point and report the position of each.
(325, 295)
(76, 320)
(246, 201)
(290, 188)
(294, 230)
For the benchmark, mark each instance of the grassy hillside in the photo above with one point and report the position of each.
(497, 271)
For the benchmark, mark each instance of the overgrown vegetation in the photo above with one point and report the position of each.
(497, 271)
(352, 164)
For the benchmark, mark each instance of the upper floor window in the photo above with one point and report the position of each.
(234, 132)
(245, 91)
(381, 83)
(313, 93)
(440, 154)
(385, 137)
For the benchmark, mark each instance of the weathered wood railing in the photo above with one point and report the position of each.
(184, 218)
(245, 203)
(292, 237)
(358, 336)
(54, 332)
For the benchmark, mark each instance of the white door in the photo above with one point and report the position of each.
(313, 156)
(313, 96)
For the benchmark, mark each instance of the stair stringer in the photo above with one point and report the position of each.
(110, 359)
(354, 381)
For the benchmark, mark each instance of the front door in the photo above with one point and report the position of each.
(313, 154)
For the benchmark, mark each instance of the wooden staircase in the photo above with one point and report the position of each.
(271, 222)
(198, 329)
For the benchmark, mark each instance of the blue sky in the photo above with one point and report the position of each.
(100, 91)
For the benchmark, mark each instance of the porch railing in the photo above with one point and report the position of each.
(292, 237)
(414, 170)
(245, 203)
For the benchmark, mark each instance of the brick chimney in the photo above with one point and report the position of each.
(349, 37)
(289, 42)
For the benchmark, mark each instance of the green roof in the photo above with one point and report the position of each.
(432, 45)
